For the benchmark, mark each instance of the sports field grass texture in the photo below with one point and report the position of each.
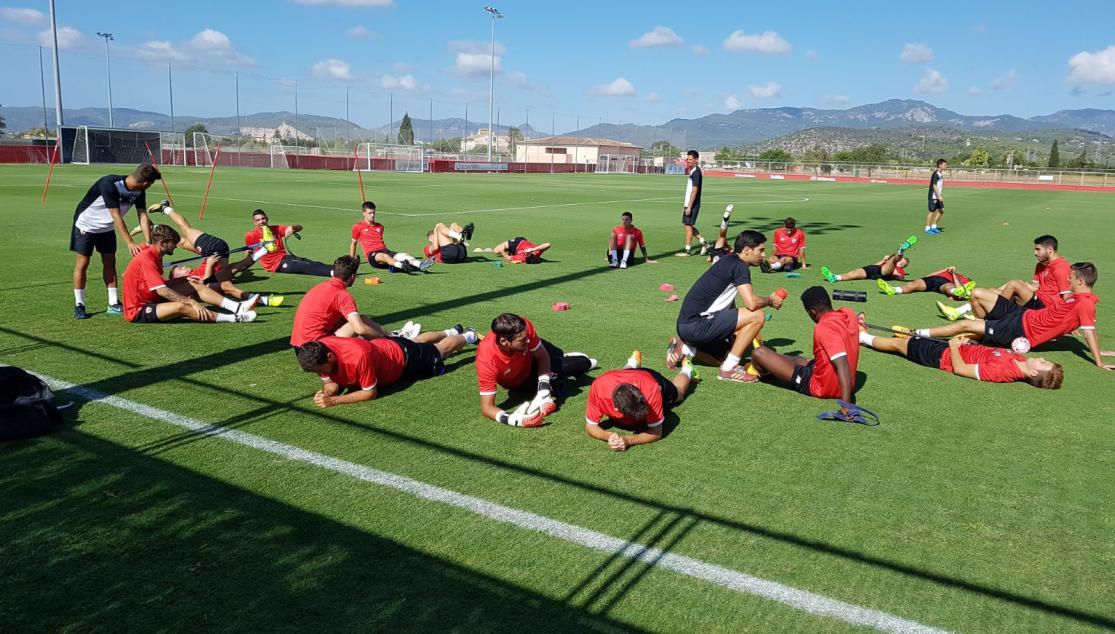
(971, 508)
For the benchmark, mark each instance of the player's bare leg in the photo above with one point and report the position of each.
(915, 286)
(748, 325)
(613, 251)
(854, 274)
(108, 270)
(347, 331)
(681, 381)
(780, 366)
(1017, 291)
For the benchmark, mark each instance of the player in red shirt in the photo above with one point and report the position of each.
(971, 360)
(276, 259)
(513, 354)
(946, 282)
(149, 299)
(354, 370)
(447, 244)
(1049, 286)
(789, 249)
(1000, 322)
(329, 310)
(625, 237)
(891, 267)
(634, 399)
(369, 234)
(521, 251)
(831, 373)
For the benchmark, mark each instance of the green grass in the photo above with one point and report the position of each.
(973, 507)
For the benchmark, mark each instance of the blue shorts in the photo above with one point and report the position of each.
(691, 219)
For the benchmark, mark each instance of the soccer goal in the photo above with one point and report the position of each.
(172, 149)
(278, 157)
(204, 146)
(615, 164)
(105, 145)
(388, 157)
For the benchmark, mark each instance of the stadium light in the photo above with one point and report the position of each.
(496, 15)
(108, 65)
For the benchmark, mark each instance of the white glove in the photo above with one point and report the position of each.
(543, 402)
(520, 417)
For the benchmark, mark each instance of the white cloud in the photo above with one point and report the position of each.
(834, 99)
(618, 88)
(333, 68)
(360, 32)
(474, 59)
(916, 54)
(519, 80)
(23, 16)
(217, 46)
(658, 37)
(474, 46)
(770, 90)
(767, 42)
(371, 4)
(973, 91)
(1093, 68)
(406, 82)
(700, 49)
(811, 55)
(933, 82)
(161, 51)
(652, 98)
(1005, 82)
(732, 103)
(68, 38)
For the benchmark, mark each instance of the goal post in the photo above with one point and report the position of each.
(80, 153)
(203, 149)
(85, 144)
(389, 157)
(615, 164)
(278, 157)
(172, 150)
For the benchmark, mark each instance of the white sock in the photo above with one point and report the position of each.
(263, 299)
(258, 254)
(79, 296)
(775, 266)
(927, 227)
(838, 277)
(113, 295)
(898, 290)
(225, 318)
(470, 337)
(687, 370)
(451, 332)
(866, 339)
(632, 363)
(455, 235)
(965, 309)
(724, 225)
(615, 255)
(401, 257)
(703, 241)
(626, 254)
(922, 332)
(934, 225)
(228, 304)
(330, 272)
(688, 248)
(687, 351)
(729, 363)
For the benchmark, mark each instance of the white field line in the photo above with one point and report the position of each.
(802, 600)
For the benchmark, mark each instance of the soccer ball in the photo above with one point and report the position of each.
(1020, 345)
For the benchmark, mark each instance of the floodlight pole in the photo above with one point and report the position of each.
(492, 79)
(58, 118)
(108, 68)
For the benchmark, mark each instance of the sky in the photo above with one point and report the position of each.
(559, 64)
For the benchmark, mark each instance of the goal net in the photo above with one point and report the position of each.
(104, 145)
(615, 164)
(278, 157)
(173, 148)
(387, 157)
(204, 147)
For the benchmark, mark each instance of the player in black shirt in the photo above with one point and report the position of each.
(936, 199)
(691, 206)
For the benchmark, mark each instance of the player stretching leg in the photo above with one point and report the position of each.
(720, 249)
(369, 234)
(277, 260)
(946, 282)
(634, 399)
(447, 244)
(891, 267)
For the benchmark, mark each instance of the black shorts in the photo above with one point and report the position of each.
(207, 245)
(934, 284)
(927, 352)
(1003, 324)
(667, 387)
(691, 219)
(453, 254)
(801, 377)
(936, 205)
(557, 371)
(513, 245)
(83, 242)
(619, 257)
(378, 265)
(874, 272)
(1034, 303)
(711, 333)
(422, 360)
(147, 315)
(793, 261)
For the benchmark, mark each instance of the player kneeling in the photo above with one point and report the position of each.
(634, 399)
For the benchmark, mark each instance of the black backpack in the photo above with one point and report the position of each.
(26, 407)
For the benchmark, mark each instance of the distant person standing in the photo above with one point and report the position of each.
(692, 205)
(936, 200)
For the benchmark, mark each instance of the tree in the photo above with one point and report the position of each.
(41, 132)
(817, 155)
(3, 124)
(724, 154)
(406, 131)
(875, 153)
(1054, 155)
(513, 135)
(843, 156)
(979, 158)
(189, 133)
(777, 156)
(1081, 162)
(479, 149)
(663, 148)
(451, 146)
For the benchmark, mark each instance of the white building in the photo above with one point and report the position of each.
(500, 143)
(565, 149)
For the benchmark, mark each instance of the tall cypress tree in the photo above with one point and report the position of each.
(406, 131)
(1054, 155)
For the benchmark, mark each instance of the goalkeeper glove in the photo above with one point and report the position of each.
(520, 417)
(543, 402)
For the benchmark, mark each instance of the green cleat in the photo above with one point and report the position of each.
(696, 376)
(886, 288)
(949, 312)
(911, 241)
(827, 274)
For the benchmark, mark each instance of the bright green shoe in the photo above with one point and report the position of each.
(968, 288)
(695, 377)
(886, 288)
(911, 241)
(949, 312)
(275, 300)
(827, 274)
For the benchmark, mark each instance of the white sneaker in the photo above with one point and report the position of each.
(613, 264)
(410, 331)
(247, 305)
(704, 248)
(243, 318)
(623, 264)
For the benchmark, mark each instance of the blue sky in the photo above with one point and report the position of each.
(645, 62)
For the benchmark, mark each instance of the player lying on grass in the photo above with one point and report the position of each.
(1049, 286)
(149, 299)
(354, 370)
(634, 399)
(277, 260)
(721, 248)
(710, 328)
(97, 219)
(831, 373)
(512, 356)
(448, 244)
(1000, 322)
(369, 234)
(624, 238)
(946, 282)
(203, 275)
(521, 251)
(971, 360)
(891, 267)
(789, 249)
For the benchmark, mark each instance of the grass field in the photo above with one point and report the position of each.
(971, 508)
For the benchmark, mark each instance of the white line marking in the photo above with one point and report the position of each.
(807, 602)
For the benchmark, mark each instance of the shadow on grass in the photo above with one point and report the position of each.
(767, 225)
(196, 554)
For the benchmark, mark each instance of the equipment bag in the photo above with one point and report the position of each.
(26, 407)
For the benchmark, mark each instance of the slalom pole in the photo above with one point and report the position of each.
(53, 157)
(356, 165)
(163, 179)
(250, 247)
(216, 155)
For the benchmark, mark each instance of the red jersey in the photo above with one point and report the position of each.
(355, 364)
(600, 398)
(520, 251)
(322, 311)
(944, 273)
(370, 237)
(992, 364)
(142, 278)
(621, 236)
(200, 271)
(835, 336)
(1076, 311)
(272, 260)
(389, 361)
(1052, 279)
(428, 251)
(493, 367)
(788, 244)
(899, 272)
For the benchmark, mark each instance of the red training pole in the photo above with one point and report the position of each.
(211, 170)
(356, 164)
(53, 157)
(163, 179)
